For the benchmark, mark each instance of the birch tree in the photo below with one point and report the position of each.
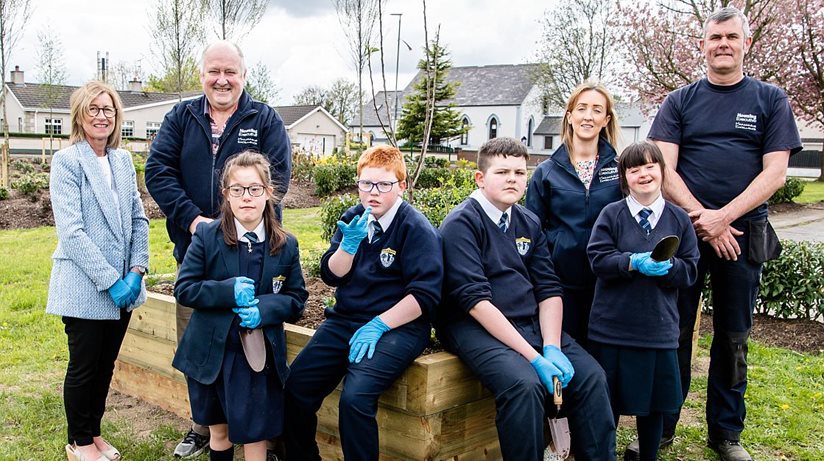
(177, 28)
(52, 74)
(235, 18)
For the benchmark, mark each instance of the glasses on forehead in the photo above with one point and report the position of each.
(108, 111)
(255, 190)
(369, 186)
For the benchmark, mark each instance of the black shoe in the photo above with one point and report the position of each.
(729, 450)
(192, 445)
(632, 453)
(271, 456)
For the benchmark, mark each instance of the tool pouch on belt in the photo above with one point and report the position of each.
(736, 351)
(764, 243)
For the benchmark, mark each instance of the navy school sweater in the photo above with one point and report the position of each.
(406, 260)
(632, 309)
(512, 270)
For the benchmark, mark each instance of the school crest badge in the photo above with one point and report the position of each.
(387, 257)
(522, 243)
(277, 283)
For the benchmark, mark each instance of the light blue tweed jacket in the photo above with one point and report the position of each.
(96, 245)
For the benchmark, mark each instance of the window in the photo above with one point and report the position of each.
(127, 129)
(493, 128)
(151, 129)
(529, 127)
(54, 126)
(465, 133)
(548, 142)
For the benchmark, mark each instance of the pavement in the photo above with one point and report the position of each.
(803, 224)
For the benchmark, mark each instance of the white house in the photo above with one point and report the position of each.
(499, 100)
(44, 109)
(312, 128)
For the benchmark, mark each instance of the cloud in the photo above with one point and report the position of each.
(303, 8)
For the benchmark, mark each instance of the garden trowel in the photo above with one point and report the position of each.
(558, 428)
(665, 248)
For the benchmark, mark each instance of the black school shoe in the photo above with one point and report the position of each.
(632, 453)
(729, 450)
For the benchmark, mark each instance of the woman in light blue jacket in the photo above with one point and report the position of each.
(102, 254)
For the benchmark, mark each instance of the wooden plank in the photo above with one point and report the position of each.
(156, 317)
(151, 353)
(170, 394)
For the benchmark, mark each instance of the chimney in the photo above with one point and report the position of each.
(135, 85)
(17, 76)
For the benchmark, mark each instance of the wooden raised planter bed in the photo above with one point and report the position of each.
(436, 410)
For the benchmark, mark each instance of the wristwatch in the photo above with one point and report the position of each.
(140, 270)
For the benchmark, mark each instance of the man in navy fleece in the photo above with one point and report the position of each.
(503, 310)
(386, 264)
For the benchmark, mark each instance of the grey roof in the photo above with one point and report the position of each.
(36, 95)
(549, 126)
(370, 119)
(291, 114)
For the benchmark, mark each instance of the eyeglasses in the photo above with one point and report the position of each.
(108, 112)
(369, 186)
(255, 190)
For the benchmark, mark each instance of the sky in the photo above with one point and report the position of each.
(301, 41)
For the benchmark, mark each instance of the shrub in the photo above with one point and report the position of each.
(333, 177)
(430, 177)
(331, 210)
(310, 262)
(792, 188)
(4, 193)
(791, 285)
(22, 167)
(30, 183)
(303, 165)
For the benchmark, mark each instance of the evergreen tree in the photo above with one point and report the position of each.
(446, 121)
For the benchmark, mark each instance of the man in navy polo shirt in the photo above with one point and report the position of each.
(727, 139)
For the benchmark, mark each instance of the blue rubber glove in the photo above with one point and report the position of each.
(546, 371)
(354, 232)
(245, 292)
(643, 263)
(249, 316)
(365, 339)
(133, 279)
(121, 294)
(561, 362)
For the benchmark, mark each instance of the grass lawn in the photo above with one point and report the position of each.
(785, 397)
(813, 192)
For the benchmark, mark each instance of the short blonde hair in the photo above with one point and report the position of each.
(80, 102)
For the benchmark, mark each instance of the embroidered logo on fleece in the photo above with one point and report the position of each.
(247, 136)
(387, 257)
(746, 122)
(277, 283)
(522, 243)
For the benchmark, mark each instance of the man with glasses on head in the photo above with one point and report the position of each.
(191, 147)
(385, 262)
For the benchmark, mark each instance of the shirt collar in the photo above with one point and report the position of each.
(386, 220)
(657, 206)
(491, 210)
(260, 231)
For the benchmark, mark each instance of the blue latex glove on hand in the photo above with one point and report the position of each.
(245, 292)
(249, 316)
(561, 362)
(121, 294)
(546, 371)
(365, 339)
(133, 279)
(643, 263)
(354, 232)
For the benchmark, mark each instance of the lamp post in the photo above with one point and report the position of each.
(397, 63)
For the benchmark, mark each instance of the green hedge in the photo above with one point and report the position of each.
(792, 188)
(792, 285)
(334, 177)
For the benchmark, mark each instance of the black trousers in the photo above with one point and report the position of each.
(93, 348)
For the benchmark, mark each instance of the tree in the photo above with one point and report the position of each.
(801, 70)
(357, 19)
(446, 121)
(342, 100)
(236, 18)
(176, 81)
(14, 14)
(52, 75)
(578, 44)
(122, 72)
(259, 84)
(312, 95)
(178, 31)
(660, 42)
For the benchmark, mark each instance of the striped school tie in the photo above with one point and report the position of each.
(252, 238)
(377, 231)
(643, 221)
(502, 222)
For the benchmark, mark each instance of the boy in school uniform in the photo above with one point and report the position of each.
(502, 314)
(385, 261)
